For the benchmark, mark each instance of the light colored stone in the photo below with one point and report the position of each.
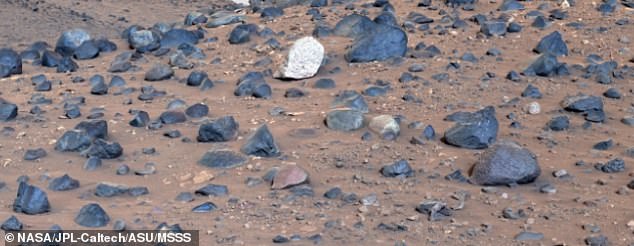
(303, 61)
(203, 177)
(385, 125)
(289, 176)
(243, 2)
(533, 108)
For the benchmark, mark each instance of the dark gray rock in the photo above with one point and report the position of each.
(94, 128)
(261, 143)
(529, 236)
(242, 33)
(219, 130)
(106, 45)
(104, 150)
(270, 13)
(553, 44)
(493, 28)
(92, 163)
(73, 140)
(12, 224)
(558, 123)
(34, 154)
(435, 210)
(351, 100)
(176, 37)
(532, 92)
(31, 200)
(11, 62)
(324, 84)
(253, 84)
(66, 64)
(222, 159)
(197, 110)
(213, 190)
(582, 103)
(475, 130)
(8, 111)
(173, 117)
(50, 59)
(92, 215)
(196, 78)
(505, 164)
(87, 50)
(344, 120)
(398, 168)
(141, 119)
(354, 26)
(511, 5)
(545, 65)
(333, 193)
(110, 190)
(382, 43)
(159, 72)
(205, 207)
(63, 183)
(613, 166)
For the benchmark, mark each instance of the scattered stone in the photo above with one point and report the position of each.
(205, 207)
(324, 84)
(475, 130)
(222, 159)
(506, 163)
(253, 84)
(613, 166)
(213, 190)
(386, 126)
(10, 63)
(63, 183)
(242, 33)
(289, 176)
(172, 117)
(92, 163)
(349, 99)
(435, 210)
(92, 215)
(261, 143)
(8, 111)
(604, 145)
(12, 224)
(31, 200)
(141, 119)
(344, 120)
(159, 72)
(219, 130)
(529, 236)
(103, 149)
(553, 44)
(558, 123)
(34, 154)
(400, 168)
(600, 240)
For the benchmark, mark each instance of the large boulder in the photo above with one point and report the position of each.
(475, 130)
(303, 61)
(506, 163)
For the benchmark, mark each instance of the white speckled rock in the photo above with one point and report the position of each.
(303, 61)
(533, 108)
